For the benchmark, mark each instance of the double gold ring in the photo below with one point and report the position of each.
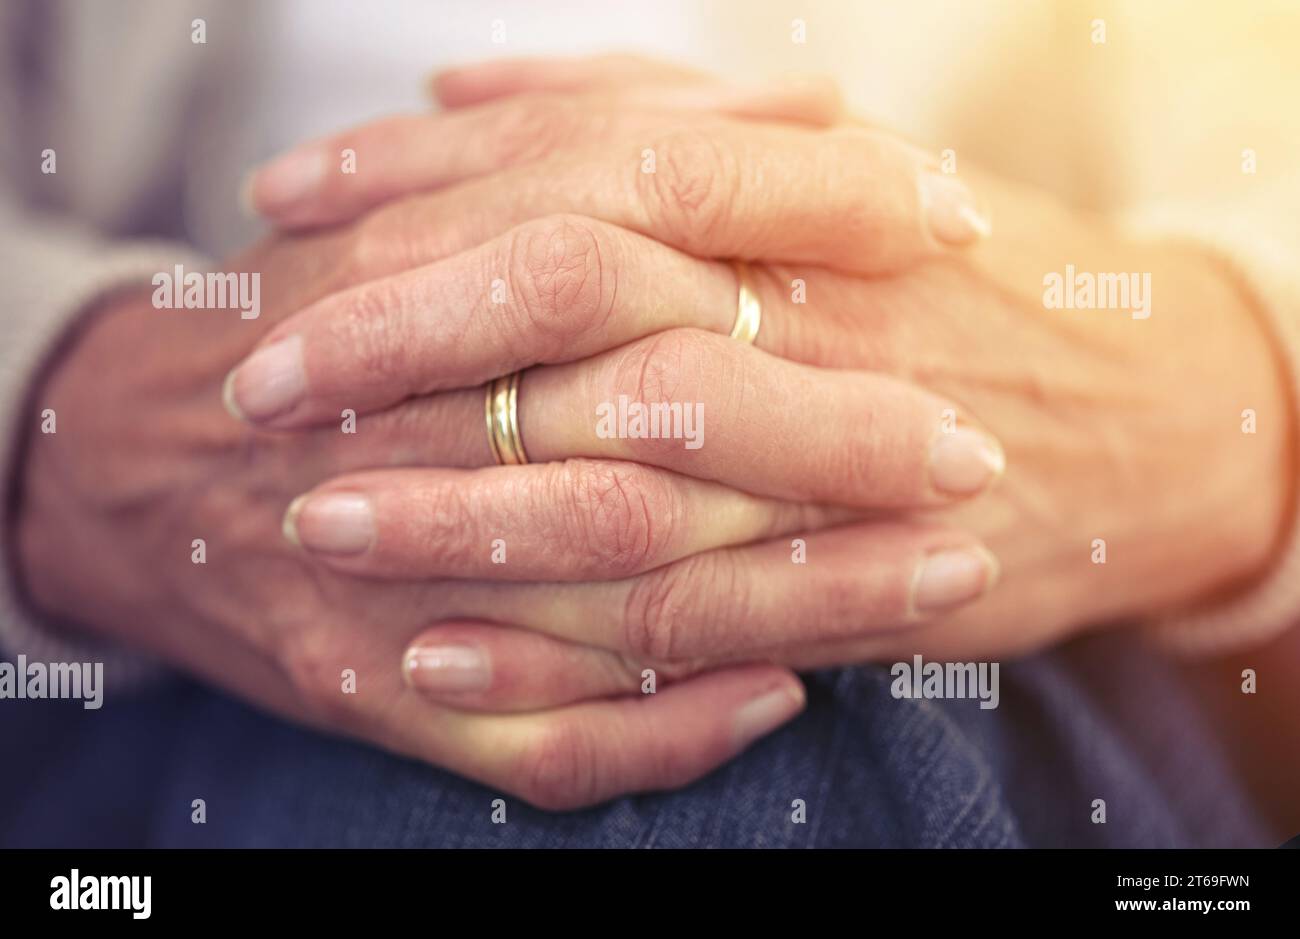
(501, 410)
(501, 404)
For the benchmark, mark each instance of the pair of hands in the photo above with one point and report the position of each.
(623, 555)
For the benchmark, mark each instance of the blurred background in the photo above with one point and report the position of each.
(154, 131)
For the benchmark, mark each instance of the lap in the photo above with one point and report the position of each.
(859, 768)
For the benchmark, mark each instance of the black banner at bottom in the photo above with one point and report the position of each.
(214, 888)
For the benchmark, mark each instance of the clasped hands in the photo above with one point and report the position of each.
(577, 221)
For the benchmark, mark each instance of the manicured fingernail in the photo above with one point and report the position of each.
(269, 382)
(331, 522)
(951, 211)
(949, 577)
(766, 713)
(438, 670)
(965, 462)
(291, 178)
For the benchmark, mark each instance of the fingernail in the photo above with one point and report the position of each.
(287, 180)
(766, 713)
(965, 462)
(269, 382)
(949, 577)
(951, 211)
(330, 522)
(438, 670)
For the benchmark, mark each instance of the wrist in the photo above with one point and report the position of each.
(84, 505)
(1229, 489)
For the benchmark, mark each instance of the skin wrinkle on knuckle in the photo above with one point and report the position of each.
(861, 162)
(531, 127)
(657, 370)
(617, 514)
(388, 133)
(656, 603)
(672, 367)
(371, 334)
(559, 768)
(560, 284)
(692, 192)
(852, 463)
(838, 611)
(442, 520)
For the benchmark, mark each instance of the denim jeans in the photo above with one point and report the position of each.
(1093, 720)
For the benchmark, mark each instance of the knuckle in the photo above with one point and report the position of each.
(558, 770)
(693, 189)
(670, 373)
(659, 368)
(621, 514)
(652, 609)
(365, 327)
(366, 248)
(870, 162)
(706, 587)
(844, 468)
(332, 265)
(444, 516)
(310, 664)
(384, 134)
(533, 126)
(822, 97)
(373, 247)
(667, 372)
(562, 279)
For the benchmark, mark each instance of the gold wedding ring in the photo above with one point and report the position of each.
(501, 410)
(749, 312)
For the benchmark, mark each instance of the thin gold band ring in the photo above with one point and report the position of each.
(749, 312)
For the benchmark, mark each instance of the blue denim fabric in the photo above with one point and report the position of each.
(1094, 720)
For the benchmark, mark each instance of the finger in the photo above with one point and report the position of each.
(573, 520)
(856, 581)
(313, 184)
(586, 753)
(483, 81)
(481, 666)
(850, 198)
(711, 408)
(551, 290)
